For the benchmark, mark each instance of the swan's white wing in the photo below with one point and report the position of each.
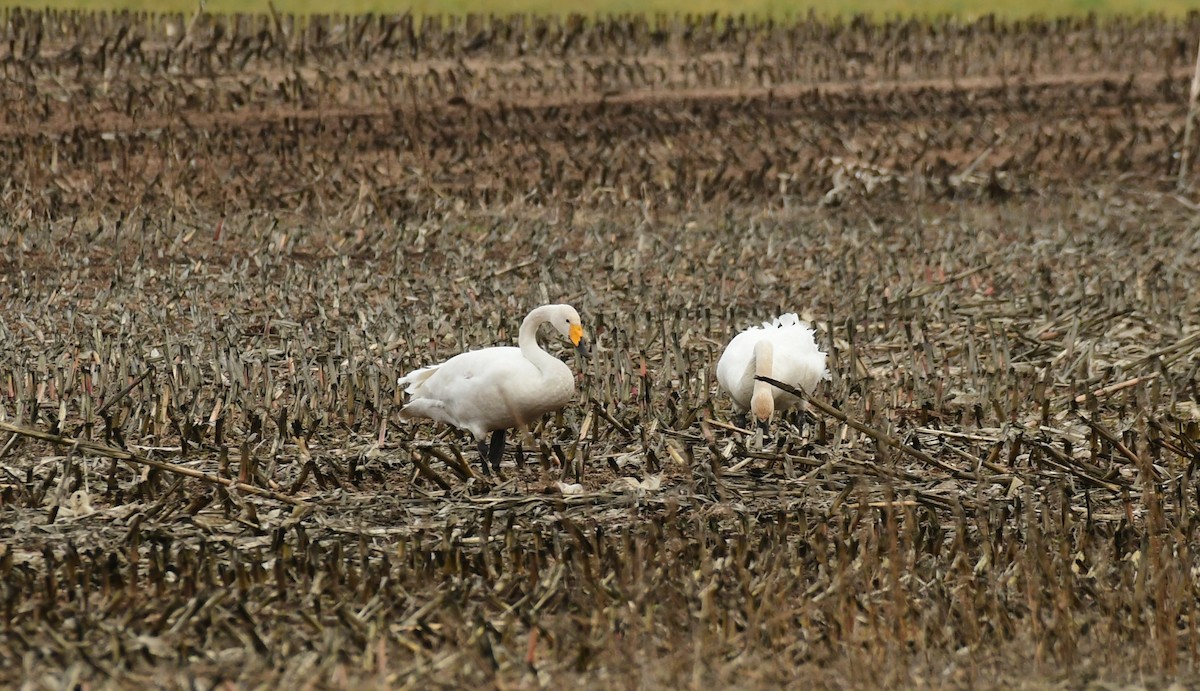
(486, 390)
(735, 368)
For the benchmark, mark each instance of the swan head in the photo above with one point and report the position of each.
(566, 321)
(762, 403)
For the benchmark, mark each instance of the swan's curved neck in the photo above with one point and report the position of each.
(762, 402)
(527, 338)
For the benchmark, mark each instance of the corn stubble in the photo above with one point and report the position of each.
(222, 240)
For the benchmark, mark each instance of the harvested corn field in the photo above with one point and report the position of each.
(222, 240)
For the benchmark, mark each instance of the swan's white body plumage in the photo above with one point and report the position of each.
(491, 389)
(794, 358)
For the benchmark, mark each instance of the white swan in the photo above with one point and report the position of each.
(784, 350)
(491, 390)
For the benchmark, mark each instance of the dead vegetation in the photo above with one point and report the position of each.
(224, 239)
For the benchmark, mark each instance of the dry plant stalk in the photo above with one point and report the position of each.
(868, 430)
(1189, 123)
(122, 455)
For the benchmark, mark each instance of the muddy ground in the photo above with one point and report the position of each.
(222, 240)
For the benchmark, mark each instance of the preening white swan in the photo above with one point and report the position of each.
(784, 350)
(490, 390)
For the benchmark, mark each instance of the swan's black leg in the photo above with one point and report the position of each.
(483, 457)
(496, 452)
(795, 417)
(740, 420)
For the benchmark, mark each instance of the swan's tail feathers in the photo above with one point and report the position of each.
(413, 380)
(796, 328)
(803, 335)
(784, 320)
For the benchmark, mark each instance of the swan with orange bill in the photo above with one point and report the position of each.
(491, 390)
